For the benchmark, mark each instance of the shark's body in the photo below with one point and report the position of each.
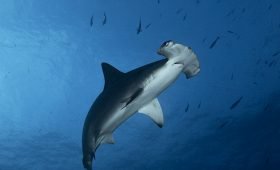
(136, 91)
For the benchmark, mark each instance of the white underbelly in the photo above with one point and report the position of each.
(161, 80)
(153, 86)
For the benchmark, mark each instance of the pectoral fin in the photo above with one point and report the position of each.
(107, 138)
(154, 111)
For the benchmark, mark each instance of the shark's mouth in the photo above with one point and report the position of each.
(179, 63)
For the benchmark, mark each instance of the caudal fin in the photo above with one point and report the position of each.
(87, 165)
(87, 162)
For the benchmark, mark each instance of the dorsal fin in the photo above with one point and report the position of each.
(110, 74)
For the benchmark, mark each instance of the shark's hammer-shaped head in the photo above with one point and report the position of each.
(181, 54)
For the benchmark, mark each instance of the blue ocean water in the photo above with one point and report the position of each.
(227, 117)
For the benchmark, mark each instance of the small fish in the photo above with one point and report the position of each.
(91, 21)
(265, 62)
(105, 19)
(233, 33)
(271, 63)
(187, 108)
(275, 54)
(223, 124)
(269, 7)
(259, 60)
(266, 107)
(255, 83)
(197, 1)
(204, 39)
(243, 10)
(147, 26)
(158, 1)
(179, 11)
(231, 78)
(214, 42)
(7, 74)
(184, 17)
(198, 106)
(236, 103)
(139, 29)
(231, 12)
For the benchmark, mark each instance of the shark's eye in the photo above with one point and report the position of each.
(166, 43)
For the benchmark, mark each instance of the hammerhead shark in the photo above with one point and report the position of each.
(125, 94)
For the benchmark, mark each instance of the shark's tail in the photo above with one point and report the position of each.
(87, 164)
(87, 161)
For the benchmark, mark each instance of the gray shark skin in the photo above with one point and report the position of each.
(124, 94)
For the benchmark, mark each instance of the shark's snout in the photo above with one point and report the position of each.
(165, 48)
(181, 54)
(171, 49)
(166, 43)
